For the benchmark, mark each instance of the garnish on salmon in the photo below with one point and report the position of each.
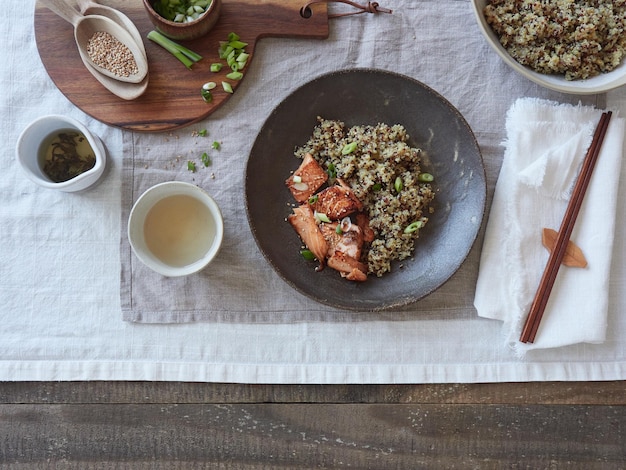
(307, 179)
(303, 222)
(337, 201)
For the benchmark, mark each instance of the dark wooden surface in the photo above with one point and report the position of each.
(172, 99)
(195, 425)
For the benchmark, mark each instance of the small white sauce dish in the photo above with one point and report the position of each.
(175, 228)
(29, 151)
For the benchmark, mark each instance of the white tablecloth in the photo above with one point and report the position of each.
(60, 308)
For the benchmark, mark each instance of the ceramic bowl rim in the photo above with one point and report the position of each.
(599, 84)
(142, 206)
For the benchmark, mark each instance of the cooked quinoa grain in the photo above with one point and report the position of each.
(578, 39)
(382, 154)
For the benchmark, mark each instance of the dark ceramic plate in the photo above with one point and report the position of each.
(364, 96)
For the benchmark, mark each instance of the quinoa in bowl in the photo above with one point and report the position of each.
(576, 39)
(385, 173)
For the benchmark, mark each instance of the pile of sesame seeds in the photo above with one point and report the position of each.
(109, 53)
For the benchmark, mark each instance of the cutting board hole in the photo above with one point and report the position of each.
(305, 12)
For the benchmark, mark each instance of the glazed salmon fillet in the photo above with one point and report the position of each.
(307, 179)
(303, 221)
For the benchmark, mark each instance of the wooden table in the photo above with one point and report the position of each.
(189, 425)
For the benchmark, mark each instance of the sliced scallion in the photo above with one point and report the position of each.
(321, 217)
(413, 227)
(228, 88)
(425, 178)
(348, 148)
(183, 54)
(235, 76)
(398, 185)
(206, 160)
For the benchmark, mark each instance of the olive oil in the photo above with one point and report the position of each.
(65, 154)
(179, 230)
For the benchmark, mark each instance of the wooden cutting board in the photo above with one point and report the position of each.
(172, 99)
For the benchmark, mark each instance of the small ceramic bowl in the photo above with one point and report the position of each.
(184, 31)
(30, 152)
(598, 84)
(175, 228)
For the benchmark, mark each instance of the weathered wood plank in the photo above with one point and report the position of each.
(313, 436)
(576, 393)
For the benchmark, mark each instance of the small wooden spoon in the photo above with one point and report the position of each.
(86, 26)
(91, 7)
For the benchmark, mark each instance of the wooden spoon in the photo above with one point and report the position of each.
(91, 7)
(84, 29)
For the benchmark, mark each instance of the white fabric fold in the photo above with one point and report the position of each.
(546, 144)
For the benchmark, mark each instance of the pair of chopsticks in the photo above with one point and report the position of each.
(567, 226)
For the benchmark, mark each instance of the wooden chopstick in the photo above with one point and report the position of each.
(567, 226)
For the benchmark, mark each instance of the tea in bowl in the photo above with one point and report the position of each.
(175, 228)
(58, 152)
(183, 20)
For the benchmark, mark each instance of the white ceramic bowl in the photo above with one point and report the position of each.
(183, 239)
(28, 151)
(599, 84)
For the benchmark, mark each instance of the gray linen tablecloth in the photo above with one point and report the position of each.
(240, 285)
(61, 311)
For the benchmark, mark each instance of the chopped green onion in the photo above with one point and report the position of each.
(233, 37)
(307, 255)
(313, 199)
(397, 185)
(191, 166)
(209, 85)
(236, 44)
(181, 11)
(207, 96)
(227, 87)
(425, 177)
(216, 145)
(348, 148)
(332, 172)
(203, 133)
(321, 217)
(216, 67)
(377, 187)
(297, 179)
(235, 76)
(413, 227)
(206, 160)
(345, 224)
(183, 54)
(338, 230)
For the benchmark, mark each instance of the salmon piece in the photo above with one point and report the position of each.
(349, 267)
(363, 221)
(356, 275)
(349, 242)
(312, 177)
(337, 201)
(303, 222)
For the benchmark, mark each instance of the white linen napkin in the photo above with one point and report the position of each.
(546, 144)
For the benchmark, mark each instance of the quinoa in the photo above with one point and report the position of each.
(577, 39)
(382, 154)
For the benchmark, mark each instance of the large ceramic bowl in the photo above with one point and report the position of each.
(364, 96)
(598, 84)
